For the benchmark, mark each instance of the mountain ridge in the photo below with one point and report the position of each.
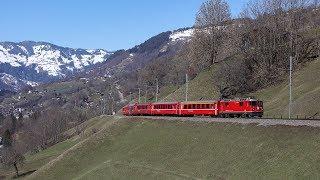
(42, 62)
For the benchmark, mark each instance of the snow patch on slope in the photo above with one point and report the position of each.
(181, 35)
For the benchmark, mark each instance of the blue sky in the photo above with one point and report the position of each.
(108, 24)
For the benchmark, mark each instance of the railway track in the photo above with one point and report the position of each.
(259, 122)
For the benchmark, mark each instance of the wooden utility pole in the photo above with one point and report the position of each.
(157, 82)
(145, 97)
(290, 68)
(187, 87)
(290, 87)
(139, 95)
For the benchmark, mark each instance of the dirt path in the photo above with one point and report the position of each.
(260, 122)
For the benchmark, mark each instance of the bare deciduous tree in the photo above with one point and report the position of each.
(11, 154)
(210, 32)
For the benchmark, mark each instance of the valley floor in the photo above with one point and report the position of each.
(140, 148)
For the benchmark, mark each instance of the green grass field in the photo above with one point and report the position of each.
(143, 149)
(33, 162)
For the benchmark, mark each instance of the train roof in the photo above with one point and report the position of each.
(239, 99)
(199, 102)
(159, 103)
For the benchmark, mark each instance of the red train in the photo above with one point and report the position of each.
(221, 108)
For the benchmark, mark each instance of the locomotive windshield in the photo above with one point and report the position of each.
(253, 103)
(256, 103)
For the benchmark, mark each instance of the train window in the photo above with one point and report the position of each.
(227, 104)
(241, 103)
(260, 103)
(253, 103)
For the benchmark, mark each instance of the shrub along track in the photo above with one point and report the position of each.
(259, 122)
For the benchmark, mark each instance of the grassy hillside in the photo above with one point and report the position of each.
(306, 92)
(142, 149)
(37, 160)
(200, 88)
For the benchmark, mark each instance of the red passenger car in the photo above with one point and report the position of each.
(128, 110)
(165, 109)
(199, 108)
(143, 109)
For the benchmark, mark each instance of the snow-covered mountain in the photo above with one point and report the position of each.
(40, 62)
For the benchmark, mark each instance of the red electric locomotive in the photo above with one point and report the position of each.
(240, 108)
(221, 108)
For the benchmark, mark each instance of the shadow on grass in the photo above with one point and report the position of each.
(23, 174)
